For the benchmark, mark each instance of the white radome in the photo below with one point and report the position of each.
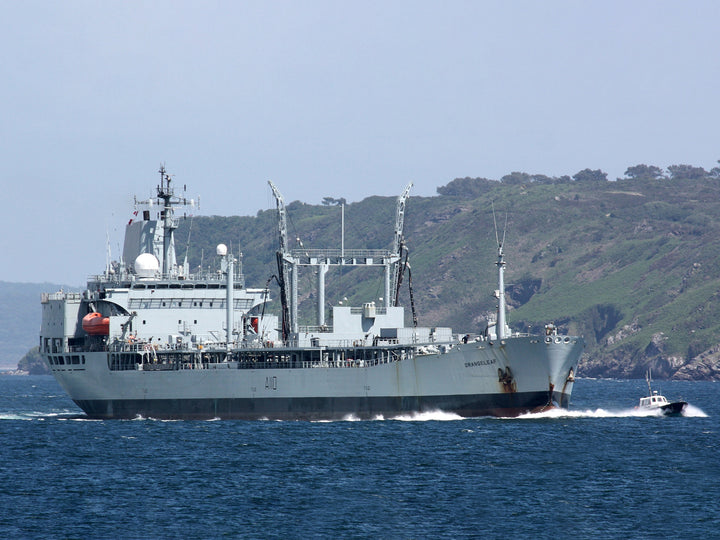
(221, 250)
(146, 265)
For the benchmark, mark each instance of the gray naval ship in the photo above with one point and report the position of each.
(148, 338)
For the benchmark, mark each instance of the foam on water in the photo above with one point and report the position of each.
(588, 413)
(441, 416)
(407, 417)
(690, 411)
(37, 415)
(11, 416)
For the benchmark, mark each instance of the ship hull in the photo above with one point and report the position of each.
(508, 378)
(674, 409)
(321, 408)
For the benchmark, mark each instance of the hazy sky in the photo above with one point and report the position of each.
(340, 99)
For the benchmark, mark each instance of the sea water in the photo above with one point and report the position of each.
(600, 470)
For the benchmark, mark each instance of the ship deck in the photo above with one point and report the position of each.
(148, 358)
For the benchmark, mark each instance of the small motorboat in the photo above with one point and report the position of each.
(654, 401)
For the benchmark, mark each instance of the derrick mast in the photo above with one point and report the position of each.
(501, 328)
(284, 264)
(501, 294)
(398, 245)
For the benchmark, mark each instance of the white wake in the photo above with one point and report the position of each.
(690, 411)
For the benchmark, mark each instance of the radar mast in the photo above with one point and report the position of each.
(167, 199)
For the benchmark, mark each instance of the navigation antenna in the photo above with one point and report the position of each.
(187, 245)
(500, 292)
(108, 254)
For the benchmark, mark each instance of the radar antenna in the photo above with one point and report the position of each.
(167, 199)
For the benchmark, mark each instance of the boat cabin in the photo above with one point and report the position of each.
(653, 401)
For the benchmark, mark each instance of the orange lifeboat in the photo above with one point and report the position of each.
(96, 325)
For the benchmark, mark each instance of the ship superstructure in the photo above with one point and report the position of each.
(147, 302)
(150, 338)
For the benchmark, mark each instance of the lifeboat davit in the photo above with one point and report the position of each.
(95, 324)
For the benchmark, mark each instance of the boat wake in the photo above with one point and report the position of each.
(690, 411)
(441, 416)
(41, 416)
(437, 416)
(434, 416)
(431, 416)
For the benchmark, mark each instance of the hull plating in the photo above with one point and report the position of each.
(335, 408)
(510, 378)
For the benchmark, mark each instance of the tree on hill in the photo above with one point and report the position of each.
(715, 171)
(516, 178)
(589, 175)
(687, 172)
(644, 172)
(542, 179)
(467, 187)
